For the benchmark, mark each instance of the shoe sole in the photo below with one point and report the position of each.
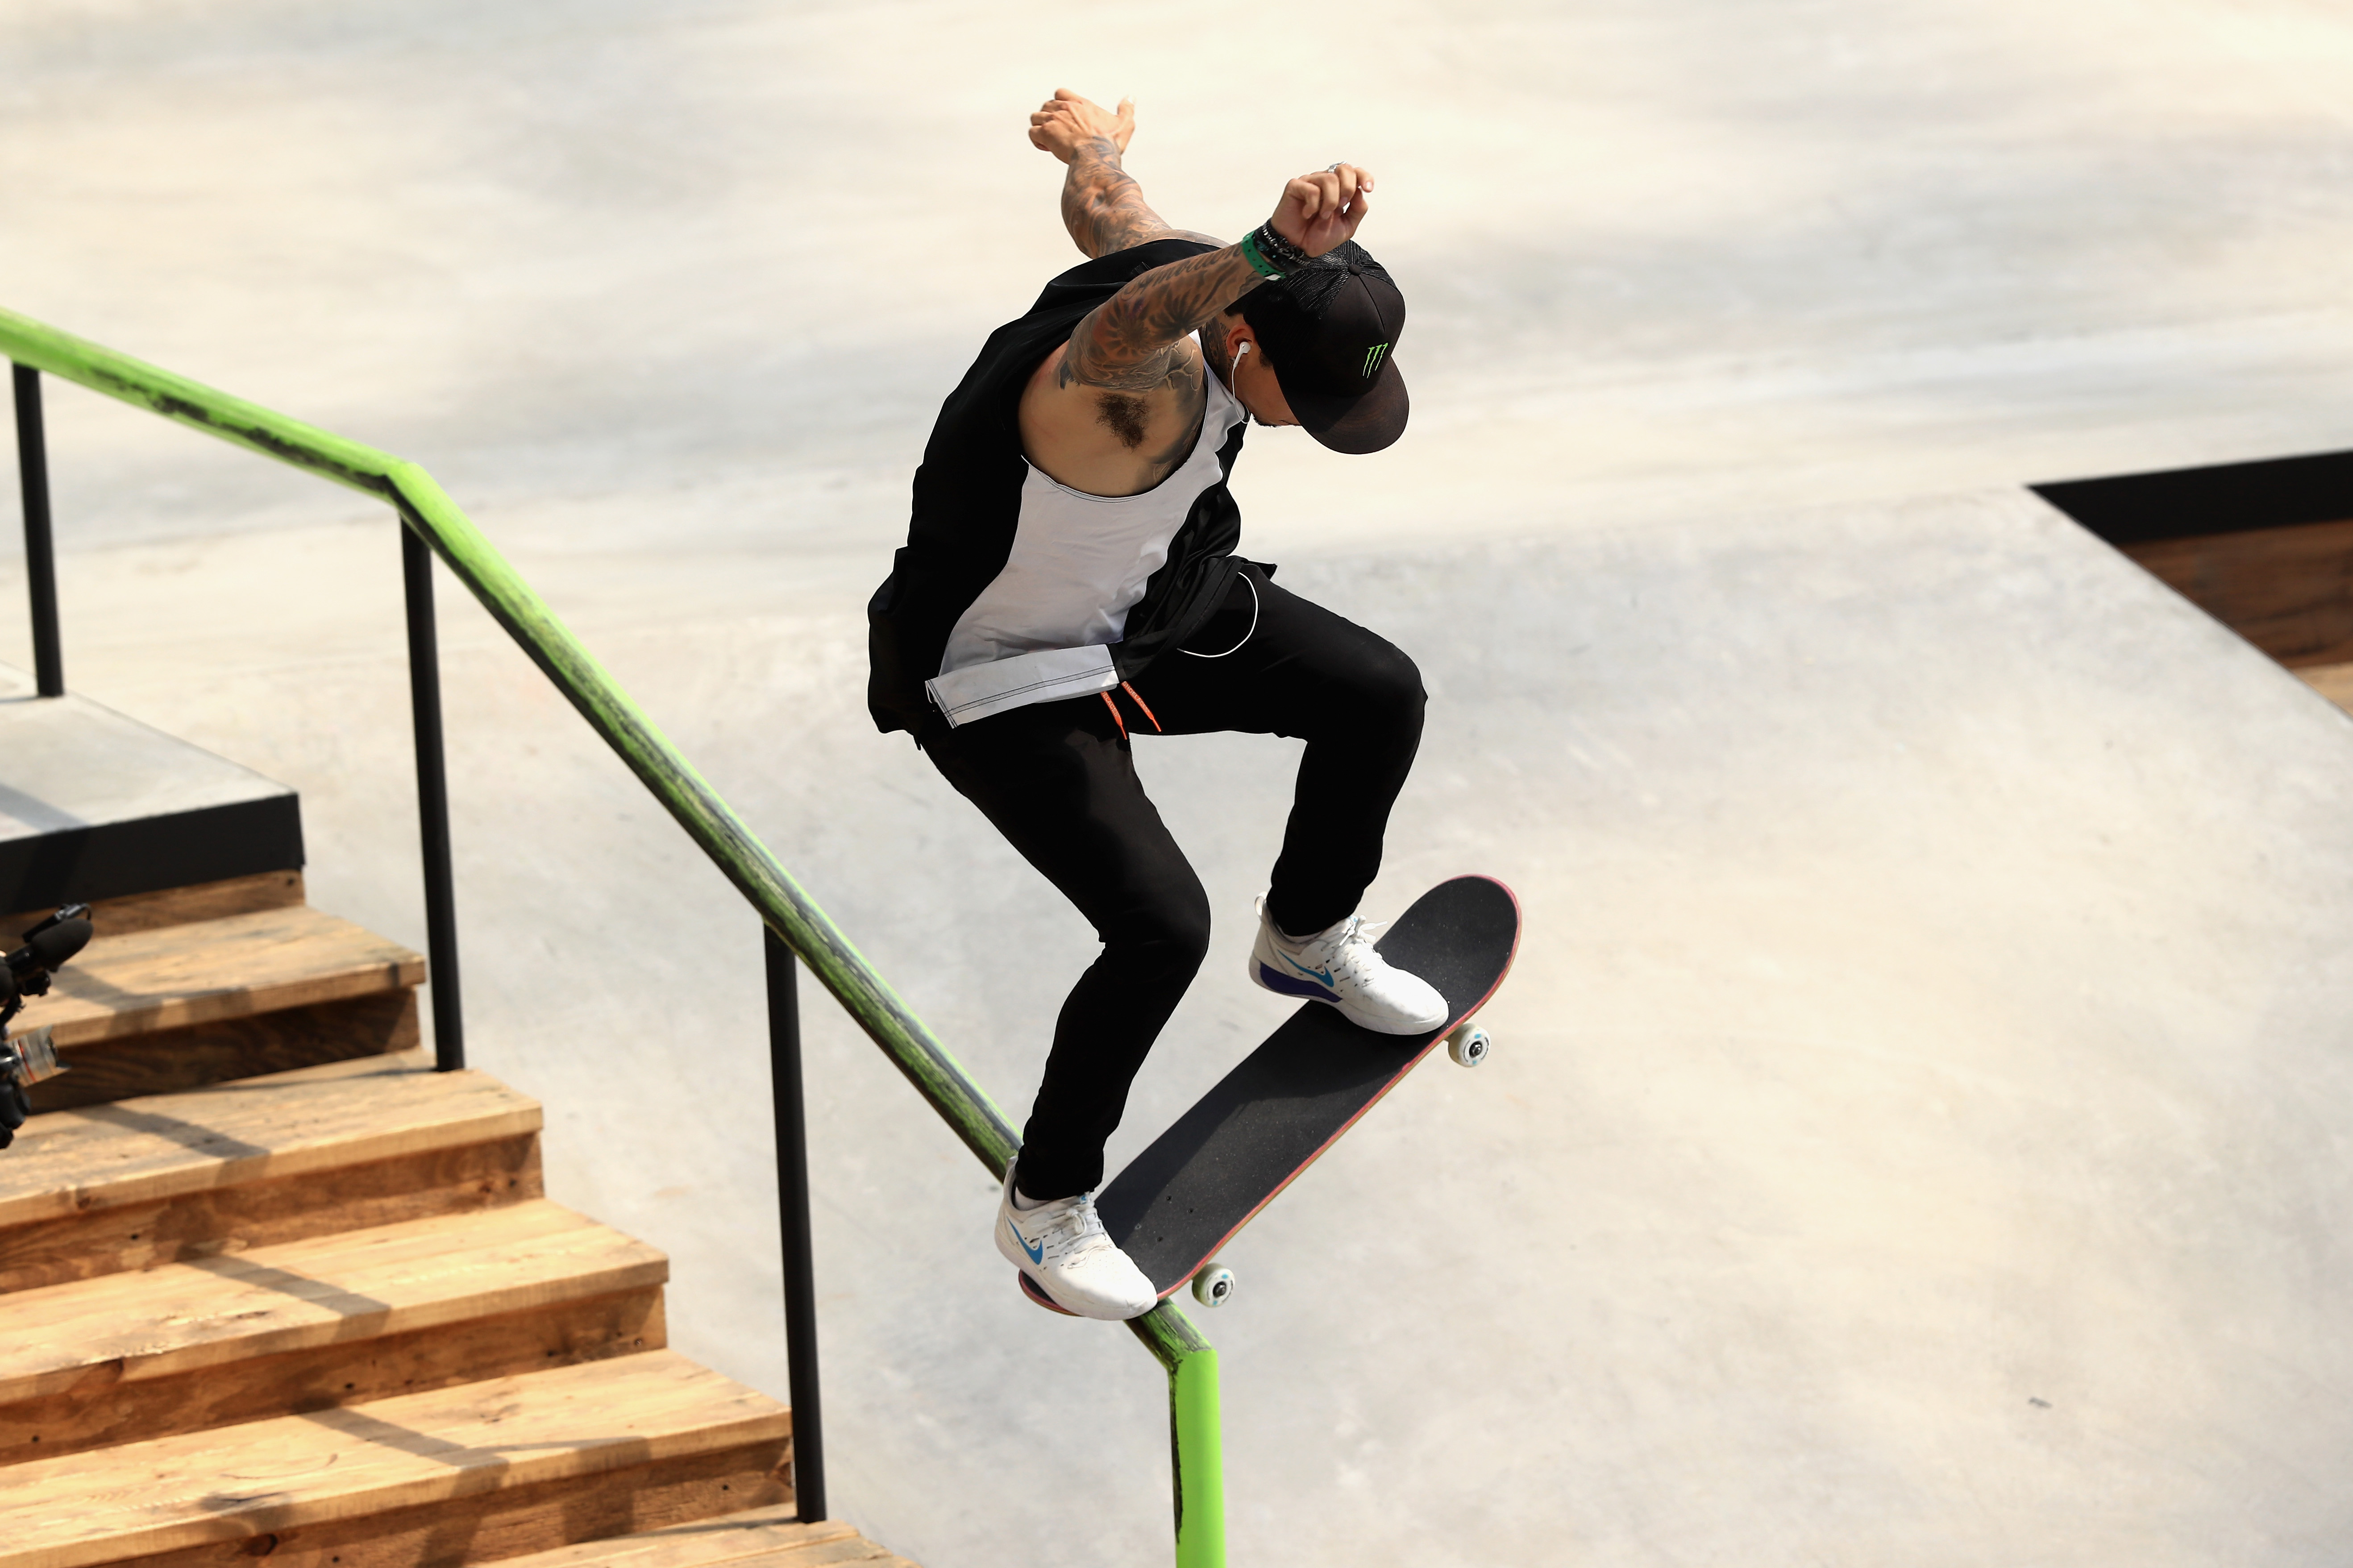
(1043, 1293)
(1030, 1288)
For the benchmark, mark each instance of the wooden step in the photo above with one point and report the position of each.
(2334, 681)
(178, 906)
(261, 1161)
(474, 1474)
(199, 971)
(203, 1001)
(309, 1325)
(759, 1538)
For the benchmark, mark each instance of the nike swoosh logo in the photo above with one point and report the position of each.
(1323, 975)
(1037, 1254)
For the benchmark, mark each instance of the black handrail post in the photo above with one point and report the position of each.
(793, 1210)
(40, 557)
(432, 806)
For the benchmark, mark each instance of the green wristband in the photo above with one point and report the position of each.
(1257, 257)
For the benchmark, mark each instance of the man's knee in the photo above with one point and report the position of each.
(1386, 686)
(1170, 934)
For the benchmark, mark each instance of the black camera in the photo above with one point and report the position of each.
(29, 1058)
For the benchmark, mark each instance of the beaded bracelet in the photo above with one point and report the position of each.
(1257, 259)
(1280, 251)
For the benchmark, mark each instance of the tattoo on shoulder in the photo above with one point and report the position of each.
(1164, 461)
(1183, 372)
(1133, 340)
(1081, 369)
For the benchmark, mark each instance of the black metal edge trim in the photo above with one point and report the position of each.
(2228, 498)
(115, 859)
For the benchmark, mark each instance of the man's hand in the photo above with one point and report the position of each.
(1066, 124)
(1319, 212)
(1125, 344)
(1102, 207)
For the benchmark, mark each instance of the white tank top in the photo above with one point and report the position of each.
(1043, 628)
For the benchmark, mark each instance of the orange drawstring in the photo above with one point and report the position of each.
(1122, 722)
(1123, 686)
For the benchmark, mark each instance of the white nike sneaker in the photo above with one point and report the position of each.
(1062, 1246)
(1339, 966)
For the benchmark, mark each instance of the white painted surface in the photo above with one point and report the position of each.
(72, 762)
(1935, 989)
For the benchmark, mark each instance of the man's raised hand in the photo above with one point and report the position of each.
(1321, 211)
(1065, 124)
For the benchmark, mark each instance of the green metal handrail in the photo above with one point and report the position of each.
(1190, 1361)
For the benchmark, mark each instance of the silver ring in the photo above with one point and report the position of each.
(1331, 168)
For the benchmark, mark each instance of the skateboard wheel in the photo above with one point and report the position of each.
(1468, 1045)
(1214, 1286)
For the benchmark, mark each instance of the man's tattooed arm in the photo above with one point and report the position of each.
(1128, 343)
(1104, 207)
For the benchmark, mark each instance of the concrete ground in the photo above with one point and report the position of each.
(1916, 1128)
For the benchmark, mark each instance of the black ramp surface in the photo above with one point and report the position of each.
(1179, 1199)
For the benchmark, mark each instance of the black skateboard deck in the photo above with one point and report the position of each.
(1183, 1198)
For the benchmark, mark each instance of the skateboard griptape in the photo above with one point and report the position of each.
(1285, 1103)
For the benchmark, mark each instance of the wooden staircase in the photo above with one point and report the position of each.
(326, 1315)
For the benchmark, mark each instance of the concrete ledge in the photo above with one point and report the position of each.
(96, 806)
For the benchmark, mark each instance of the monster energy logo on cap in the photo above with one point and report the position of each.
(1329, 331)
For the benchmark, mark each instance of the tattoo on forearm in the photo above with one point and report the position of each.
(1102, 208)
(1127, 343)
(1105, 209)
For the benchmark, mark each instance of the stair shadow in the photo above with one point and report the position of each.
(195, 1135)
(476, 1470)
(492, 1462)
(191, 1135)
(414, 1061)
(360, 1316)
(82, 985)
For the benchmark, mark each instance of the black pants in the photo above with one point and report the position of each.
(1059, 781)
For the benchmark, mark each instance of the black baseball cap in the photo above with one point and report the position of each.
(1329, 330)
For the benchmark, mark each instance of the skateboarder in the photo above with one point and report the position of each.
(1069, 581)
